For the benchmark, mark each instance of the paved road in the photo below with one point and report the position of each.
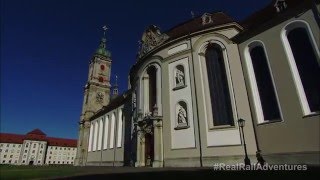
(181, 173)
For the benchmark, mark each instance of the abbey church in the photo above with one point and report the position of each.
(211, 90)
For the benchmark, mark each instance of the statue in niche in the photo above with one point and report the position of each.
(182, 116)
(179, 78)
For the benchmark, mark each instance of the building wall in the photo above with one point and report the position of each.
(9, 153)
(33, 152)
(36, 151)
(222, 144)
(60, 155)
(295, 138)
(182, 146)
(106, 139)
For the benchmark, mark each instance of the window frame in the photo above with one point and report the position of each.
(202, 51)
(254, 86)
(292, 64)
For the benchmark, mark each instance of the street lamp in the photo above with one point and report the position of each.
(241, 123)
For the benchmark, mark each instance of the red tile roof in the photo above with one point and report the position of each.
(11, 138)
(268, 17)
(37, 132)
(62, 142)
(195, 24)
(38, 135)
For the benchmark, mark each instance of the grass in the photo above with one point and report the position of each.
(37, 172)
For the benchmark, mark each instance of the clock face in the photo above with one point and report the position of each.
(99, 97)
(100, 79)
(102, 67)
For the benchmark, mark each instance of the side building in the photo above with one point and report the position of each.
(35, 148)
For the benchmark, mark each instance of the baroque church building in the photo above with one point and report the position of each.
(211, 90)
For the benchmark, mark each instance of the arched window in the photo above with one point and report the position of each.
(303, 55)
(90, 137)
(100, 134)
(120, 124)
(218, 86)
(112, 130)
(307, 65)
(106, 132)
(267, 107)
(152, 72)
(95, 136)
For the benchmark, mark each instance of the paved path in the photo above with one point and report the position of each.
(178, 173)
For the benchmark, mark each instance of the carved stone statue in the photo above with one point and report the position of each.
(179, 78)
(182, 116)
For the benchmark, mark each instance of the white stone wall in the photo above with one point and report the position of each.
(184, 137)
(32, 152)
(9, 153)
(37, 152)
(60, 155)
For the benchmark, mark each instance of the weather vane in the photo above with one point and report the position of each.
(105, 28)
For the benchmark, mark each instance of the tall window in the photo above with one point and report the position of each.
(263, 85)
(307, 64)
(218, 85)
(152, 72)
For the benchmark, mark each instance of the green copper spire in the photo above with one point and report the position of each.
(102, 47)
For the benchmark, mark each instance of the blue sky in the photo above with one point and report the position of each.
(46, 47)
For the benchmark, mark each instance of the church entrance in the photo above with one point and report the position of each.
(31, 162)
(149, 149)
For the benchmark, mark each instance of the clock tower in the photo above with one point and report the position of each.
(96, 95)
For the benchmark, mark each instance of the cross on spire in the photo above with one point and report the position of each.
(116, 80)
(105, 28)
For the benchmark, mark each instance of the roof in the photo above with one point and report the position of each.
(36, 132)
(268, 17)
(52, 141)
(190, 27)
(195, 24)
(11, 138)
(37, 135)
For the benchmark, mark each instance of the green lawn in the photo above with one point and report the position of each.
(37, 172)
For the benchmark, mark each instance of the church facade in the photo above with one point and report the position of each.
(194, 86)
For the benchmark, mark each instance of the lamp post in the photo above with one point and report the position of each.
(241, 123)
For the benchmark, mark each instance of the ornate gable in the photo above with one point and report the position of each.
(280, 5)
(151, 38)
(206, 18)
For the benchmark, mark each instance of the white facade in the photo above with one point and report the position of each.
(9, 153)
(36, 149)
(32, 152)
(60, 155)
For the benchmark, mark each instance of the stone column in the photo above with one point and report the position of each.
(158, 143)
(140, 149)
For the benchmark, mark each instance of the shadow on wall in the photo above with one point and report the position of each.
(129, 141)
